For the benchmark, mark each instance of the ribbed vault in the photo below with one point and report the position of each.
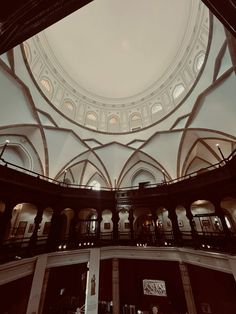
(45, 138)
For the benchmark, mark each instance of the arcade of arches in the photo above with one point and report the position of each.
(66, 251)
(150, 226)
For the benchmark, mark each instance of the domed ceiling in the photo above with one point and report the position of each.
(120, 66)
(119, 93)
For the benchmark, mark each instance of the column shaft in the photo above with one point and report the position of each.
(187, 289)
(37, 284)
(175, 227)
(34, 237)
(115, 220)
(44, 289)
(5, 221)
(115, 286)
(92, 289)
(131, 224)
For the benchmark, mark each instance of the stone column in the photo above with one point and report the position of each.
(37, 285)
(115, 286)
(34, 237)
(73, 232)
(99, 220)
(5, 220)
(54, 237)
(92, 288)
(44, 289)
(194, 232)
(156, 232)
(187, 288)
(175, 227)
(115, 220)
(131, 224)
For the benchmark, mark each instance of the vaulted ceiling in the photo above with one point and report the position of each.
(59, 118)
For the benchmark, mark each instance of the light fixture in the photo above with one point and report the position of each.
(221, 153)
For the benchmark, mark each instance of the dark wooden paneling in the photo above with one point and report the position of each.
(22, 19)
(70, 278)
(132, 273)
(105, 280)
(215, 288)
(225, 11)
(14, 296)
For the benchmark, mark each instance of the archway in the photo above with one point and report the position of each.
(144, 226)
(106, 226)
(124, 224)
(87, 226)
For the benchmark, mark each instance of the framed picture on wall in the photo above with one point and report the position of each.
(168, 223)
(181, 224)
(154, 287)
(46, 228)
(107, 225)
(127, 225)
(31, 228)
(205, 223)
(21, 228)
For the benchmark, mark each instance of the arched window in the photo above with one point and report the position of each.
(198, 62)
(156, 111)
(47, 85)
(68, 105)
(69, 108)
(178, 90)
(91, 120)
(95, 185)
(135, 121)
(156, 108)
(113, 120)
(113, 123)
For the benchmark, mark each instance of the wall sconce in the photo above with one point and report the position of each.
(221, 153)
(4, 148)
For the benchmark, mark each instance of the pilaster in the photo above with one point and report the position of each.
(92, 288)
(37, 285)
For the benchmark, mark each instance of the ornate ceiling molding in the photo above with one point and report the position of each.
(122, 115)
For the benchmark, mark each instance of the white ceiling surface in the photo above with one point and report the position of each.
(50, 140)
(118, 50)
(117, 65)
